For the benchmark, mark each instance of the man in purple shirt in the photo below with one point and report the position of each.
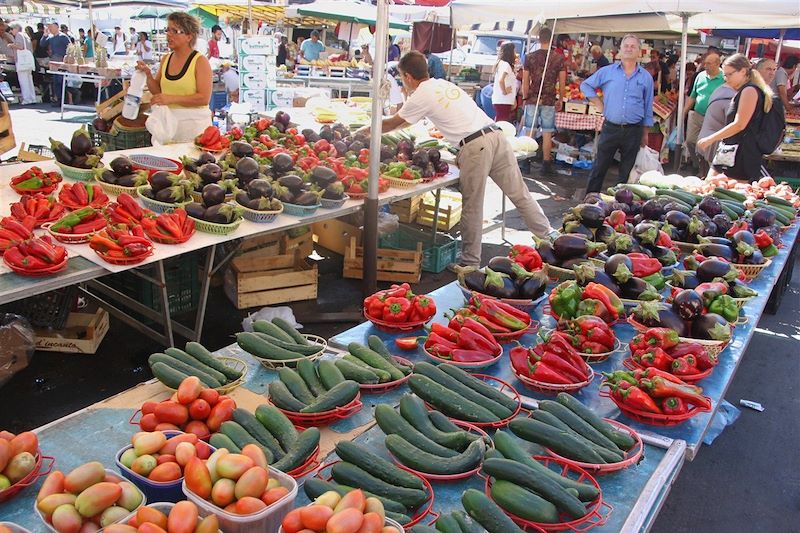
(627, 105)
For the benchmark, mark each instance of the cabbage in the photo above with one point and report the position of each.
(507, 128)
(654, 178)
(524, 144)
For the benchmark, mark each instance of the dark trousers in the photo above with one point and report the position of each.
(626, 139)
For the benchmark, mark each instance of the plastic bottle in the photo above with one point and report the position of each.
(133, 98)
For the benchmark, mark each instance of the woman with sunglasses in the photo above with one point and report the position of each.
(183, 81)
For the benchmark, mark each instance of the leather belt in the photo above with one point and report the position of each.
(480, 133)
(622, 126)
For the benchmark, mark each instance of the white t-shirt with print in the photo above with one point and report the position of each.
(451, 110)
(511, 80)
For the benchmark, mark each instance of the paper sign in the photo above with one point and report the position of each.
(258, 45)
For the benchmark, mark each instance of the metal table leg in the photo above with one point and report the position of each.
(63, 88)
(436, 204)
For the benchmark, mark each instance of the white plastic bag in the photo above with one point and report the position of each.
(25, 61)
(161, 125)
(647, 159)
(268, 313)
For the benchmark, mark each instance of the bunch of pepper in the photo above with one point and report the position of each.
(552, 361)
(42, 208)
(211, 140)
(77, 195)
(497, 316)
(35, 255)
(766, 244)
(126, 211)
(13, 231)
(120, 242)
(526, 256)
(399, 304)
(588, 334)
(661, 349)
(648, 269)
(469, 342)
(169, 228)
(653, 391)
(569, 300)
(35, 180)
(80, 222)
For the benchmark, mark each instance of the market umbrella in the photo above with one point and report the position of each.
(207, 19)
(152, 12)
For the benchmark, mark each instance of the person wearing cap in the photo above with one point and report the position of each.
(484, 151)
(213, 43)
(230, 78)
(312, 48)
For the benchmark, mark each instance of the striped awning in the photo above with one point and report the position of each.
(512, 26)
(30, 8)
(271, 14)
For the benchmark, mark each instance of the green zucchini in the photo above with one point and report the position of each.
(250, 423)
(487, 513)
(622, 439)
(578, 424)
(561, 442)
(414, 411)
(356, 373)
(733, 215)
(780, 201)
(329, 375)
(167, 375)
(278, 425)
(316, 487)
(308, 371)
(392, 423)
(683, 196)
(221, 440)
(377, 345)
(280, 396)
(199, 352)
(300, 451)
(180, 366)
(263, 349)
(448, 401)
(422, 461)
(467, 525)
(548, 418)
(374, 360)
(527, 477)
(523, 503)
(731, 194)
(242, 438)
(437, 374)
(296, 385)
(383, 376)
(184, 357)
(492, 453)
(445, 524)
(377, 466)
(265, 326)
(340, 395)
(299, 349)
(287, 328)
(351, 475)
(480, 387)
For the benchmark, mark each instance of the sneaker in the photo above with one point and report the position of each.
(459, 269)
(553, 235)
(548, 168)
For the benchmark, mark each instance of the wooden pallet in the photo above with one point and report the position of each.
(393, 265)
(406, 210)
(304, 244)
(7, 141)
(259, 281)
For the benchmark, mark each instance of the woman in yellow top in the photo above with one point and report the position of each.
(183, 82)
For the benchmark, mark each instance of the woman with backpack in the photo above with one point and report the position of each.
(739, 153)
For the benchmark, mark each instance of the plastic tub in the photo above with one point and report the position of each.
(19, 529)
(164, 507)
(268, 519)
(388, 522)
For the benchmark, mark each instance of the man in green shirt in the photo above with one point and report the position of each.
(705, 84)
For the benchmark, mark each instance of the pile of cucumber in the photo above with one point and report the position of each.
(370, 365)
(460, 395)
(313, 387)
(401, 492)
(427, 441)
(174, 365)
(571, 430)
(277, 342)
(270, 430)
(482, 509)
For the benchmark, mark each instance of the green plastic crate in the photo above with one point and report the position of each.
(435, 256)
(794, 183)
(122, 139)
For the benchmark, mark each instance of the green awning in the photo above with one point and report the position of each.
(343, 11)
(207, 19)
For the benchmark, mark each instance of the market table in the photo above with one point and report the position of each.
(97, 79)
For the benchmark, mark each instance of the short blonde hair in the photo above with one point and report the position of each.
(186, 23)
(596, 48)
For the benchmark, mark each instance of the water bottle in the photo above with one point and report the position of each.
(133, 98)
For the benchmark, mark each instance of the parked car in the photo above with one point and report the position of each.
(483, 47)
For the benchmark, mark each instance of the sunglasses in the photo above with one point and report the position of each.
(173, 31)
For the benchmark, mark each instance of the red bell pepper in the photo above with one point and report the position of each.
(471, 340)
(469, 356)
(542, 372)
(663, 338)
(674, 406)
(374, 306)
(520, 356)
(596, 331)
(657, 358)
(659, 387)
(424, 305)
(397, 309)
(664, 239)
(637, 343)
(645, 266)
(685, 366)
(606, 297)
(638, 399)
(705, 360)
(762, 239)
(616, 218)
(735, 227)
(398, 291)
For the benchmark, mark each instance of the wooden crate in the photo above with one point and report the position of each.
(576, 107)
(7, 141)
(82, 333)
(304, 244)
(406, 210)
(335, 234)
(256, 247)
(108, 109)
(272, 280)
(593, 110)
(393, 265)
(29, 156)
(450, 209)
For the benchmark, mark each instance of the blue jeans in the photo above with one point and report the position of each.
(545, 118)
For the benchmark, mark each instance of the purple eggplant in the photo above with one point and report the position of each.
(619, 267)
(678, 219)
(621, 244)
(532, 285)
(712, 268)
(739, 289)
(587, 273)
(756, 258)
(686, 279)
(743, 236)
(570, 263)
(646, 232)
(655, 315)
(604, 234)
(575, 226)
(545, 249)
(474, 280)
(672, 232)
(711, 206)
(688, 304)
(710, 249)
(665, 256)
(499, 285)
(723, 223)
(762, 217)
(652, 210)
(638, 289)
(711, 326)
(503, 265)
(624, 196)
(572, 246)
(591, 215)
(619, 206)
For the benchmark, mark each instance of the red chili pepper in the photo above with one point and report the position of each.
(606, 297)
(586, 323)
(563, 366)
(542, 372)
(135, 249)
(479, 328)
(659, 387)
(471, 340)
(661, 337)
(639, 400)
(439, 345)
(444, 331)
(14, 256)
(686, 348)
(651, 372)
(520, 356)
(102, 243)
(170, 225)
(44, 251)
(705, 360)
(498, 313)
(735, 227)
(489, 324)
(593, 347)
(674, 406)
(407, 343)
(130, 205)
(469, 356)
(129, 240)
(398, 291)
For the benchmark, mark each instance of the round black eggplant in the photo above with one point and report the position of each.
(121, 165)
(475, 280)
(282, 163)
(723, 223)
(259, 188)
(762, 217)
(204, 158)
(613, 264)
(501, 264)
(591, 215)
(624, 196)
(247, 169)
(652, 210)
(710, 205)
(241, 149)
(160, 180)
(210, 173)
(196, 210)
(713, 268)
(323, 176)
(242, 198)
(213, 194)
(688, 304)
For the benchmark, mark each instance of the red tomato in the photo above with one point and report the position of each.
(199, 409)
(315, 516)
(346, 521)
(148, 407)
(148, 422)
(292, 523)
(189, 390)
(172, 413)
(210, 395)
(182, 518)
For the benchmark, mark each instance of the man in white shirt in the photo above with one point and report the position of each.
(231, 80)
(484, 151)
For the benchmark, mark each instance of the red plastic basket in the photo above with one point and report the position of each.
(693, 378)
(326, 417)
(311, 464)
(394, 327)
(597, 513)
(469, 367)
(654, 419)
(68, 238)
(126, 261)
(173, 240)
(713, 347)
(376, 388)
(424, 510)
(504, 386)
(503, 338)
(553, 388)
(451, 477)
(30, 479)
(632, 456)
(522, 305)
(40, 273)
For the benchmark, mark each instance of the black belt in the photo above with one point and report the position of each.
(480, 133)
(623, 126)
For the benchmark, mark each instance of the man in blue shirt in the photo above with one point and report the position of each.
(312, 48)
(57, 44)
(627, 105)
(435, 66)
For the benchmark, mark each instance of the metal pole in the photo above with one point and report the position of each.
(250, 17)
(682, 84)
(780, 45)
(747, 44)
(452, 43)
(370, 244)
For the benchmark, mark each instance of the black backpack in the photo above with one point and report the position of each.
(772, 127)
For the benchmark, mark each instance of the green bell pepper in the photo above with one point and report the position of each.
(565, 298)
(769, 251)
(726, 307)
(656, 280)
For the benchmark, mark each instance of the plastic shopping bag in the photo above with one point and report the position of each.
(161, 124)
(647, 159)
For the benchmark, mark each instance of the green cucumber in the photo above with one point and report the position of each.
(280, 396)
(377, 466)
(308, 371)
(730, 194)
(733, 215)
(561, 442)
(780, 201)
(262, 349)
(527, 477)
(383, 376)
(508, 446)
(192, 361)
(300, 451)
(287, 328)
(351, 475)
(780, 216)
(786, 211)
(414, 458)
(683, 196)
(552, 420)
(400, 518)
(315, 487)
(578, 424)
(523, 503)
(480, 387)
(437, 374)
(449, 401)
(167, 375)
(356, 373)
(300, 349)
(492, 453)
(242, 438)
(221, 440)
(250, 423)
(391, 423)
(199, 352)
(487, 513)
(467, 525)
(421, 528)
(296, 385)
(622, 439)
(374, 360)
(445, 524)
(329, 375)
(443, 423)
(414, 411)
(340, 395)
(180, 366)
(278, 425)
(377, 345)
(265, 326)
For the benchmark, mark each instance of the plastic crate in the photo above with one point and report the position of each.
(122, 139)
(794, 183)
(48, 310)
(435, 256)
(219, 99)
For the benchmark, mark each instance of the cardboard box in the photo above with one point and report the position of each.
(575, 107)
(263, 281)
(335, 234)
(82, 333)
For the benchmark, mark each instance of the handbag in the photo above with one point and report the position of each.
(25, 61)
(725, 156)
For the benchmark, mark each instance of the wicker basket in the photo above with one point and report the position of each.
(116, 190)
(260, 217)
(216, 229)
(234, 363)
(333, 204)
(752, 271)
(398, 183)
(155, 205)
(299, 210)
(79, 174)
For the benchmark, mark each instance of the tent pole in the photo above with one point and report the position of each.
(682, 88)
(370, 244)
(747, 43)
(250, 17)
(452, 43)
(780, 45)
